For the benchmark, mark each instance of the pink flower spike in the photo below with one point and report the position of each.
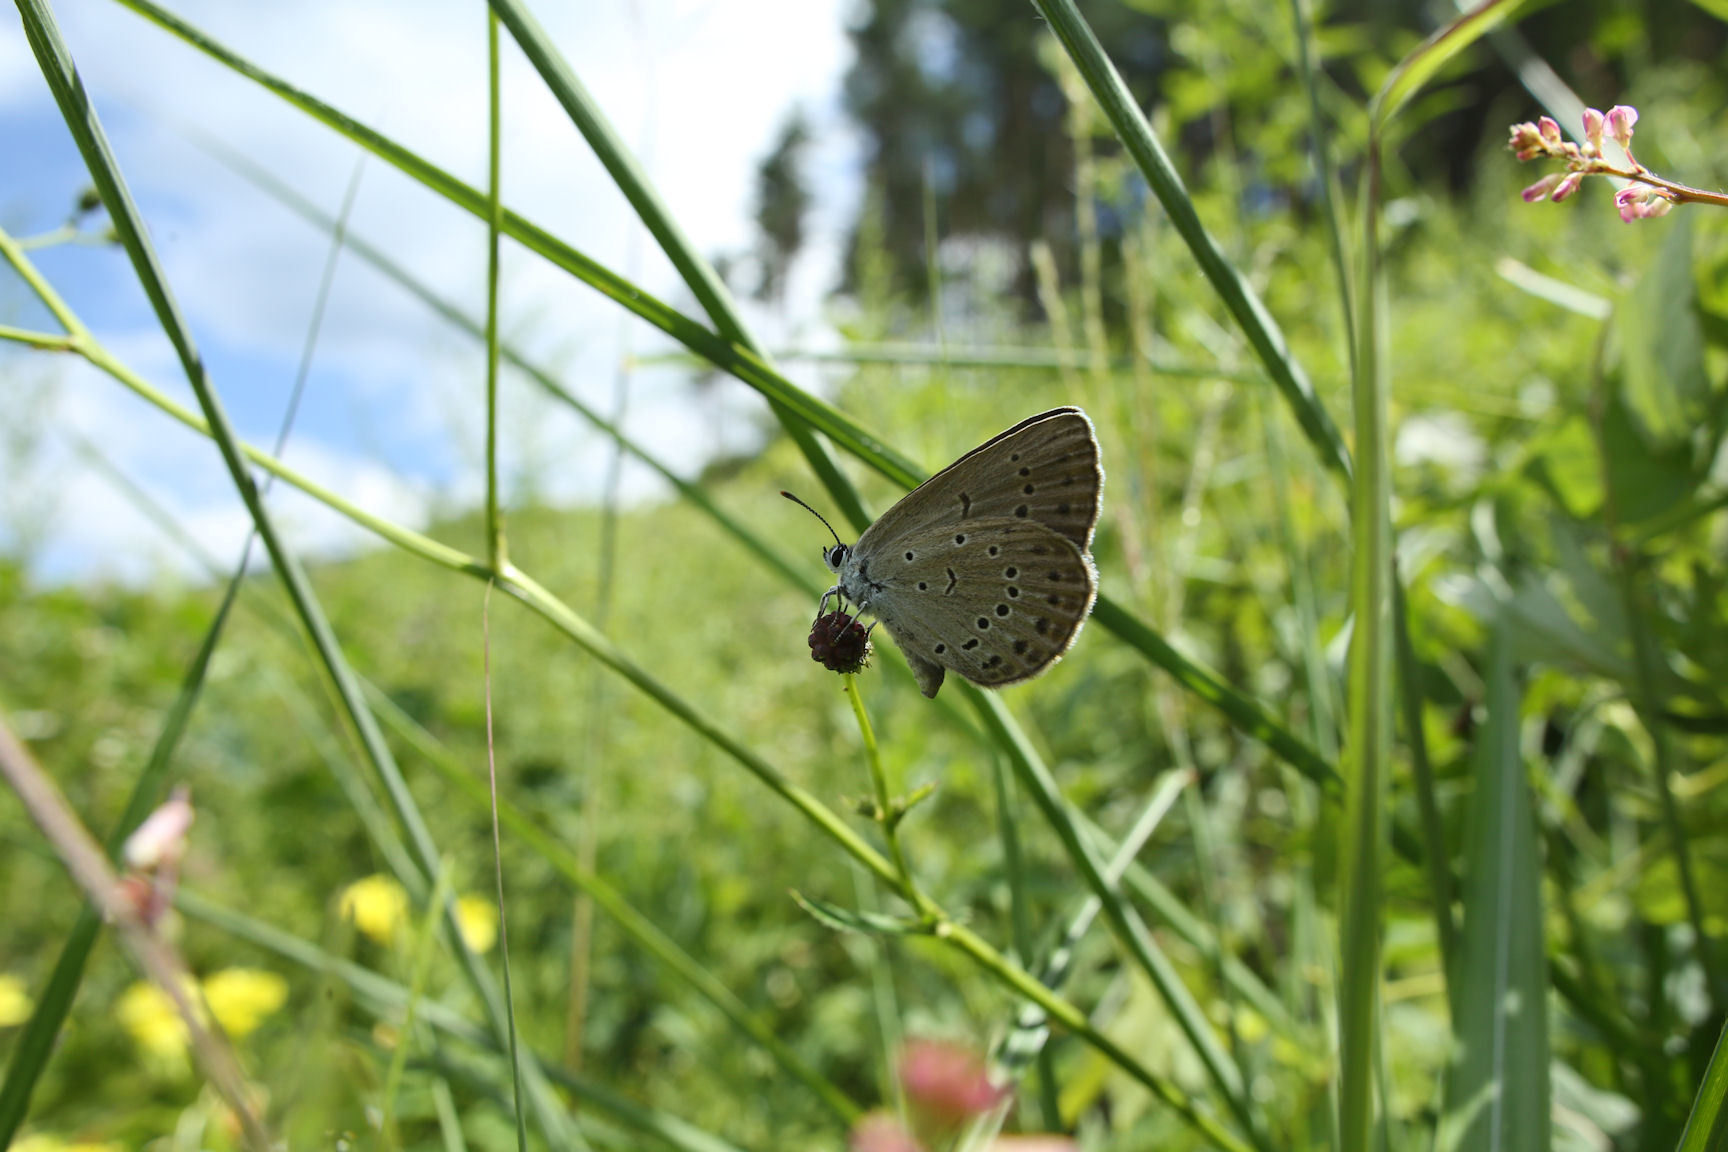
(1542, 187)
(1568, 185)
(880, 1132)
(947, 1082)
(1621, 117)
(161, 838)
(1593, 130)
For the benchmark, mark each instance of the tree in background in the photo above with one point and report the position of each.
(782, 199)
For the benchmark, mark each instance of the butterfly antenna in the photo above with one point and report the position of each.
(816, 514)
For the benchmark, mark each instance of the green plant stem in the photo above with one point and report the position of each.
(888, 810)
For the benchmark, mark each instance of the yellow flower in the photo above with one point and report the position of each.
(148, 1014)
(14, 1002)
(240, 998)
(377, 905)
(478, 918)
(44, 1142)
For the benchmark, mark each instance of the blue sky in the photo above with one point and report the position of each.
(392, 414)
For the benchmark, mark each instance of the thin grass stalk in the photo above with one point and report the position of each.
(1331, 193)
(419, 967)
(81, 121)
(1031, 1029)
(497, 553)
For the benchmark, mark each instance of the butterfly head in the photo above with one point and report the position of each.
(835, 555)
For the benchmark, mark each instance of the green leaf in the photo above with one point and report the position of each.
(851, 920)
(1497, 1091)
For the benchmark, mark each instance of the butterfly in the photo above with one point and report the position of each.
(985, 569)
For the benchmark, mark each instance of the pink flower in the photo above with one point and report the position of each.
(1550, 131)
(1641, 202)
(947, 1082)
(1593, 131)
(1620, 119)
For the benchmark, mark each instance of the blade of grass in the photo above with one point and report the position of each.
(1368, 740)
(1497, 1093)
(1707, 1123)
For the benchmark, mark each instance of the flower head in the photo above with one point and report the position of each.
(377, 905)
(1641, 202)
(839, 643)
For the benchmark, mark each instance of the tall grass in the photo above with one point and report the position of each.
(1195, 1022)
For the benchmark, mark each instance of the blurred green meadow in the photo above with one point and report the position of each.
(1405, 690)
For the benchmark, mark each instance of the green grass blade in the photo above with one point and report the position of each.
(1425, 61)
(81, 120)
(1497, 1094)
(1707, 1124)
(1257, 324)
(1368, 744)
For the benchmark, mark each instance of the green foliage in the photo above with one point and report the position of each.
(1554, 488)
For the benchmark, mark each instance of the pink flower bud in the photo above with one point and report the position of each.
(1550, 131)
(947, 1082)
(1541, 189)
(1621, 117)
(1568, 185)
(161, 838)
(1593, 130)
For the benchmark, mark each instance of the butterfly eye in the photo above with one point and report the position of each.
(834, 556)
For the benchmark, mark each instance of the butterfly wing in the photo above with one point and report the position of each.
(997, 600)
(1044, 470)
